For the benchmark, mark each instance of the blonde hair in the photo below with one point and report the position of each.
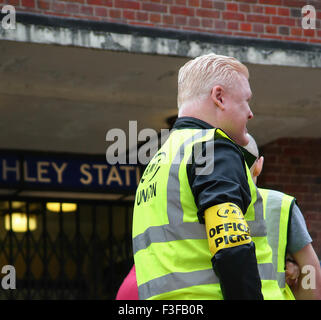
(198, 76)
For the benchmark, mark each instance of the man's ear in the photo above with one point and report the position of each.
(258, 167)
(217, 96)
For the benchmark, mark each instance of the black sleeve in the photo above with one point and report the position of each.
(236, 267)
(226, 183)
(237, 270)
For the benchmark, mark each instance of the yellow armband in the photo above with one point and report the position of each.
(226, 227)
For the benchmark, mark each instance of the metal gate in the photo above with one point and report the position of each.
(81, 254)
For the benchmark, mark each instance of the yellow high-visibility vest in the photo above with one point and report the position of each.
(170, 246)
(277, 208)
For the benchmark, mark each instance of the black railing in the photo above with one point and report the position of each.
(83, 254)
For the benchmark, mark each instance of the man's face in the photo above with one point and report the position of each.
(237, 110)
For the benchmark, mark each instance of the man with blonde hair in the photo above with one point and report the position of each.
(191, 236)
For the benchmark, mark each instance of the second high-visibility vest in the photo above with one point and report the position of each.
(277, 207)
(170, 246)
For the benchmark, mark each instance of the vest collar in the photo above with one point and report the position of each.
(191, 123)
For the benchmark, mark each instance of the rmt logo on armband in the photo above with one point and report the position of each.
(230, 211)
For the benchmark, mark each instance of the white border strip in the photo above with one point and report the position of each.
(160, 46)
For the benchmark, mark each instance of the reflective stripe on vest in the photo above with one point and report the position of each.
(180, 280)
(277, 213)
(258, 226)
(178, 229)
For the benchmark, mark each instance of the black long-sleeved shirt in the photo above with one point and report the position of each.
(236, 267)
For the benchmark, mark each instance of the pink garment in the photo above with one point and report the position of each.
(128, 289)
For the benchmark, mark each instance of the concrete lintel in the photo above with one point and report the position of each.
(107, 36)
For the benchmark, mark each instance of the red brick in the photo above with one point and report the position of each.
(143, 24)
(11, 2)
(167, 19)
(245, 27)
(45, 5)
(283, 21)
(154, 7)
(194, 22)
(100, 11)
(72, 8)
(284, 12)
(107, 3)
(245, 34)
(270, 29)
(296, 31)
(270, 36)
(219, 5)
(258, 9)
(182, 11)
(207, 4)
(232, 6)
(258, 18)
(219, 24)
(207, 23)
(315, 41)
(180, 20)
(249, 1)
(295, 39)
(283, 30)
(308, 32)
(141, 16)
(232, 25)
(207, 13)
(87, 10)
(245, 7)
(127, 4)
(79, 1)
(271, 2)
(28, 3)
(58, 6)
(233, 16)
(115, 13)
(194, 3)
(155, 17)
(258, 27)
(129, 14)
(270, 10)
(294, 3)
(271, 178)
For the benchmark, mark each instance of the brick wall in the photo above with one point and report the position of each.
(264, 19)
(293, 166)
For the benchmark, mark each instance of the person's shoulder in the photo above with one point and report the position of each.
(227, 148)
(276, 194)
